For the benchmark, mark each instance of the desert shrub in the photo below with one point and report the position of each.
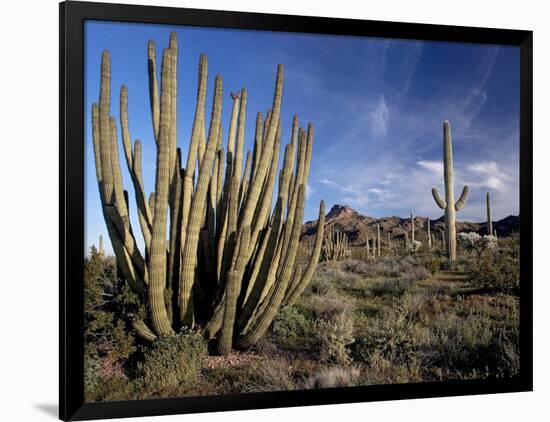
(380, 370)
(272, 375)
(291, 328)
(322, 282)
(92, 380)
(389, 267)
(326, 307)
(116, 388)
(106, 331)
(391, 287)
(335, 376)
(415, 274)
(390, 337)
(355, 266)
(431, 262)
(504, 347)
(335, 335)
(499, 272)
(172, 362)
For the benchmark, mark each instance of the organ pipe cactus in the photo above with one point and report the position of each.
(216, 252)
(335, 246)
(489, 218)
(448, 204)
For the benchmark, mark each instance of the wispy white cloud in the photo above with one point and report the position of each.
(432, 166)
(410, 63)
(379, 117)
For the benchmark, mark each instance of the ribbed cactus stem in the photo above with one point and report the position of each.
(296, 289)
(233, 287)
(101, 251)
(189, 261)
(157, 266)
(153, 87)
(429, 233)
(489, 217)
(143, 330)
(378, 242)
(449, 204)
(412, 228)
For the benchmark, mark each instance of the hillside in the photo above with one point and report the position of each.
(359, 227)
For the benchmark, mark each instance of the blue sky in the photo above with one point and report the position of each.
(377, 106)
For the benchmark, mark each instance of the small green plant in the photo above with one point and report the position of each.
(173, 363)
(335, 335)
(499, 272)
(291, 328)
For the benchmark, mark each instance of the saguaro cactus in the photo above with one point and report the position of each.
(489, 219)
(101, 249)
(448, 204)
(429, 235)
(378, 243)
(412, 228)
(216, 252)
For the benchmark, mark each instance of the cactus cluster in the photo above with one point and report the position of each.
(448, 204)
(335, 246)
(218, 255)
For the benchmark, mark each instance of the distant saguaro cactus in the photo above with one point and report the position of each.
(429, 234)
(412, 228)
(216, 251)
(489, 219)
(449, 204)
(101, 249)
(378, 243)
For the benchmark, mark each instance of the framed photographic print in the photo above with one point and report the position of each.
(265, 210)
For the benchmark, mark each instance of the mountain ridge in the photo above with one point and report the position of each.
(359, 227)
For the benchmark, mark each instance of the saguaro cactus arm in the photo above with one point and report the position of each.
(438, 200)
(463, 197)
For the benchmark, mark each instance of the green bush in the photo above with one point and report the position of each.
(173, 363)
(498, 272)
(335, 335)
(92, 380)
(291, 328)
(106, 300)
(431, 262)
(391, 287)
(390, 337)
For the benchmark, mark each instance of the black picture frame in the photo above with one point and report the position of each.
(71, 255)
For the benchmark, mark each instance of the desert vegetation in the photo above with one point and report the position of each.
(233, 293)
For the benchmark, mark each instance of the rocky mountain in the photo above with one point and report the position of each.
(359, 227)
